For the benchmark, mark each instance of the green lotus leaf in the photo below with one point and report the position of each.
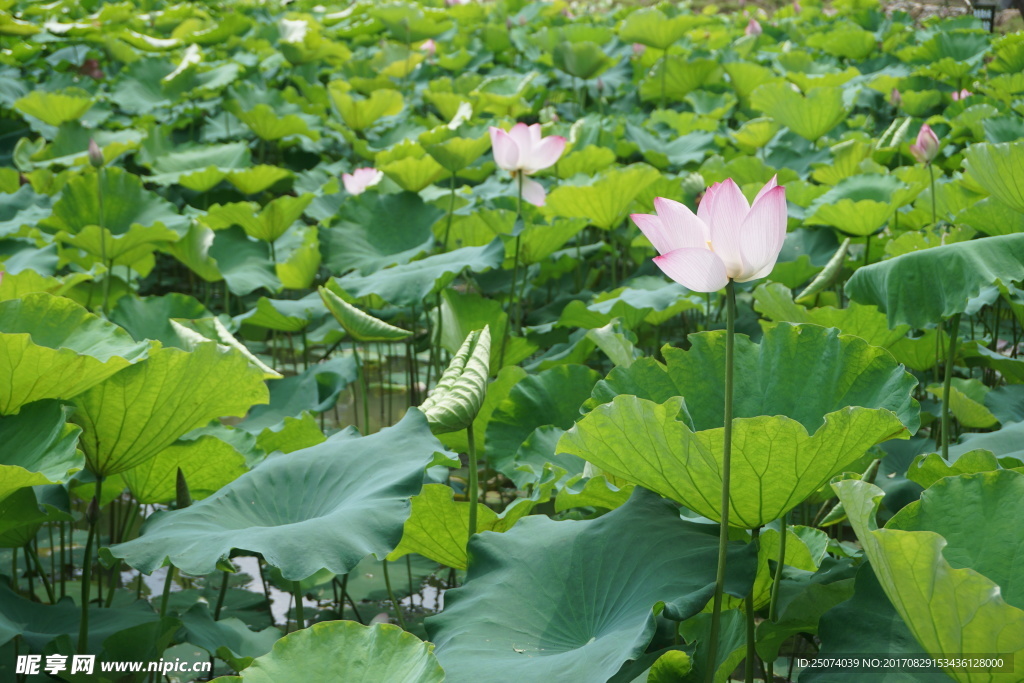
(207, 464)
(651, 301)
(141, 410)
(860, 204)
(453, 404)
(649, 26)
(191, 333)
(120, 250)
(775, 301)
(438, 527)
(258, 178)
(268, 124)
(359, 325)
(590, 160)
(230, 639)
(1006, 442)
(336, 650)
(412, 173)
(675, 77)
(927, 286)
(55, 108)
(584, 59)
(299, 267)
(776, 462)
(360, 114)
(198, 168)
(934, 562)
(928, 469)
(683, 150)
(550, 397)
(351, 493)
(866, 625)
(992, 217)
(39, 447)
(607, 200)
(850, 42)
(411, 283)
(998, 169)
(810, 115)
(577, 600)
(22, 515)
(967, 402)
(57, 349)
(126, 206)
(284, 315)
(294, 433)
(316, 389)
(267, 223)
(356, 239)
(452, 152)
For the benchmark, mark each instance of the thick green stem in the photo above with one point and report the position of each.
(391, 596)
(93, 514)
(954, 329)
(363, 389)
(31, 552)
(748, 604)
(931, 172)
(220, 596)
(474, 486)
(723, 529)
(773, 605)
(515, 275)
(300, 615)
(451, 213)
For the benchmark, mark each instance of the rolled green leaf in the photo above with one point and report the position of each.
(455, 401)
(360, 326)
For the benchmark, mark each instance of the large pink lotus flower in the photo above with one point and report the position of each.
(522, 150)
(727, 239)
(361, 179)
(927, 145)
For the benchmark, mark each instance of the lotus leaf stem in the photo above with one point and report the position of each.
(474, 486)
(300, 616)
(391, 596)
(954, 329)
(773, 605)
(93, 514)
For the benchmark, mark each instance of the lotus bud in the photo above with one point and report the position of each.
(753, 28)
(895, 98)
(639, 49)
(796, 6)
(95, 154)
(429, 46)
(963, 94)
(361, 179)
(182, 495)
(927, 145)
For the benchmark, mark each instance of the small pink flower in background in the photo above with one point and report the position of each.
(927, 145)
(456, 2)
(796, 6)
(361, 179)
(639, 49)
(727, 239)
(429, 46)
(753, 28)
(895, 98)
(962, 95)
(523, 150)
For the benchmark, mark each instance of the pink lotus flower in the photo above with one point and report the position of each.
(963, 94)
(639, 49)
(429, 46)
(361, 179)
(927, 145)
(753, 28)
(523, 150)
(895, 98)
(727, 239)
(796, 6)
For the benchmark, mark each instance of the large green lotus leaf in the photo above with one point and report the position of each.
(270, 125)
(809, 115)
(575, 600)
(350, 494)
(39, 624)
(55, 108)
(295, 433)
(299, 268)
(967, 402)
(207, 464)
(283, 315)
(57, 349)
(412, 173)
(650, 27)
(345, 651)
(776, 464)
(316, 389)
(992, 217)
(38, 447)
(649, 300)
(119, 250)
(191, 333)
(244, 263)
(775, 301)
(359, 325)
(678, 152)
(360, 114)
(231, 639)
(454, 402)
(267, 223)
(947, 563)
(860, 204)
(680, 76)
(452, 152)
(141, 410)
(927, 286)
(851, 42)
(998, 169)
(411, 283)
(928, 469)
(126, 204)
(771, 376)
(866, 625)
(551, 397)
(358, 240)
(258, 178)
(438, 527)
(607, 200)
(584, 59)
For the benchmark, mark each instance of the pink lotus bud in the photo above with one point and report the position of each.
(895, 98)
(95, 154)
(963, 94)
(927, 145)
(361, 179)
(429, 46)
(796, 6)
(753, 28)
(639, 49)
(727, 239)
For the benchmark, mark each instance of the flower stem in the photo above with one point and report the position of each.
(391, 596)
(748, 604)
(954, 329)
(931, 172)
(773, 605)
(723, 528)
(451, 212)
(83, 624)
(474, 486)
(515, 274)
(300, 617)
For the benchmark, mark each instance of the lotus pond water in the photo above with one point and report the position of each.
(509, 341)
